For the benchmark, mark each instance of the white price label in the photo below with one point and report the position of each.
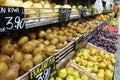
(16, 23)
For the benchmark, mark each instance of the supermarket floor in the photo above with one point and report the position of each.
(117, 66)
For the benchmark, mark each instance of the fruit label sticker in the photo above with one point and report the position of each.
(64, 14)
(11, 19)
(43, 71)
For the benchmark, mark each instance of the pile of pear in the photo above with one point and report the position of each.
(69, 73)
(97, 62)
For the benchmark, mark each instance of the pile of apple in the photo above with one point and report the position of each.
(69, 73)
(111, 28)
(97, 62)
(114, 22)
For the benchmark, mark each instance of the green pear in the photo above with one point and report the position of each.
(58, 78)
(84, 77)
(78, 78)
(62, 73)
(77, 59)
(95, 69)
(69, 77)
(100, 75)
(108, 75)
(75, 74)
(111, 67)
(52, 78)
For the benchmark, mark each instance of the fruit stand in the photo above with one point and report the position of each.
(44, 40)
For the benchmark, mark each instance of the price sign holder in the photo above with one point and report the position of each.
(64, 14)
(11, 19)
(85, 37)
(44, 70)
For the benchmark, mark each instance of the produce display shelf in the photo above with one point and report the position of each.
(41, 23)
(68, 56)
(37, 22)
(68, 52)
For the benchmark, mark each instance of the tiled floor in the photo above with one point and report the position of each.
(117, 65)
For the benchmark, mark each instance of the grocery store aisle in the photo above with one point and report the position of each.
(117, 65)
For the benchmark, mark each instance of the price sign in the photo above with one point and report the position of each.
(43, 71)
(83, 12)
(64, 14)
(11, 19)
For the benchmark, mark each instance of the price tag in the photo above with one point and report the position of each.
(43, 71)
(85, 38)
(83, 12)
(11, 19)
(64, 14)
